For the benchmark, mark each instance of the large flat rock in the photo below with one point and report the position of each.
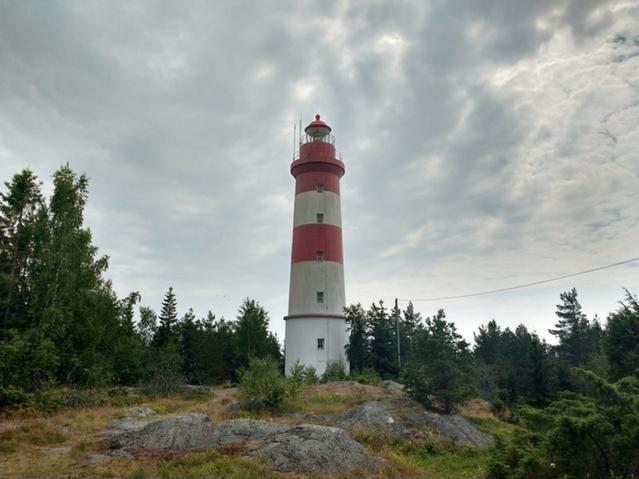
(404, 417)
(299, 448)
(312, 448)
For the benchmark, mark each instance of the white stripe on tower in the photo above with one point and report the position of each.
(309, 203)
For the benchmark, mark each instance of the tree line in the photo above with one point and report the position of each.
(575, 403)
(503, 365)
(61, 322)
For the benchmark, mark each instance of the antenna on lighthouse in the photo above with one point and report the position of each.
(294, 138)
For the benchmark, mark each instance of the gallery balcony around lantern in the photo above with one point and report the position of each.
(317, 151)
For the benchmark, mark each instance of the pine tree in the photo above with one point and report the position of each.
(252, 336)
(168, 320)
(439, 369)
(488, 342)
(622, 339)
(383, 345)
(224, 334)
(410, 324)
(577, 343)
(190, 335)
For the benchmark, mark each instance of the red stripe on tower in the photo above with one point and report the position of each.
(314, 180)
(313, 242)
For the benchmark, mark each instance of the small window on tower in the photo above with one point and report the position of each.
(319, 256)
(319, 188)
(320, 343)
(320, 217)
(320, 296)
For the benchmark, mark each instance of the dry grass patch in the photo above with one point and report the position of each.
(56, 445)
(476, 408)
(429, 457)
(206, 464)
(332, 398)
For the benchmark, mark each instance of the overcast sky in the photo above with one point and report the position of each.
(487, 143)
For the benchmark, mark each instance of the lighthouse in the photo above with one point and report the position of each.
(316, 330)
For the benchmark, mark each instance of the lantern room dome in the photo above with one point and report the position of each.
(317, 128)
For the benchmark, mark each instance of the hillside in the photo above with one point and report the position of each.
(76, 442)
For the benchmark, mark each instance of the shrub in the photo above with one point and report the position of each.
(335, 371)
(295, 379)
(262, 385)
(367, 376)
(417, 385)
(27, 366)
(164, 376)
(593, 435)
(301, 374)
(498, 408)
(310, 375)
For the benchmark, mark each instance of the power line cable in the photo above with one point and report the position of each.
(526, 285)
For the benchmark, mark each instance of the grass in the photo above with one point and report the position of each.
(36, 445)
(331, 398)
(493, 426)
(427, 458)
(57, 444)
(207, 464)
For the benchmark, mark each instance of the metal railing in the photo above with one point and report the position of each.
(304, 139)
(338, 155)
(309, 139)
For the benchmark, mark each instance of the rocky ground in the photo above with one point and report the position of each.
(326, 435)
(318, 443)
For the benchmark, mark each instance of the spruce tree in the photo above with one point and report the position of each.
(190, 335)
(18, 212)
(410, 324)
(622, 339)
(358, 347)
(166, 332)
(252, 338)
(383, 346)
(438, 373)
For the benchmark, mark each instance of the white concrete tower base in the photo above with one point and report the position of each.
(301, 342)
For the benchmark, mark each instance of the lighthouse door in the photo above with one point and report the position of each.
(321, 349)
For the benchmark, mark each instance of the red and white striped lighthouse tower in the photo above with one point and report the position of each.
(316, 331)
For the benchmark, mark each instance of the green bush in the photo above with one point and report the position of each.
(301, 374)
(296, 379)
(367, 376)
(417, 385)
(27, 365)
(310, 375)
(164, 376)
(594, 434)
(335, 371)
(262, 385)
